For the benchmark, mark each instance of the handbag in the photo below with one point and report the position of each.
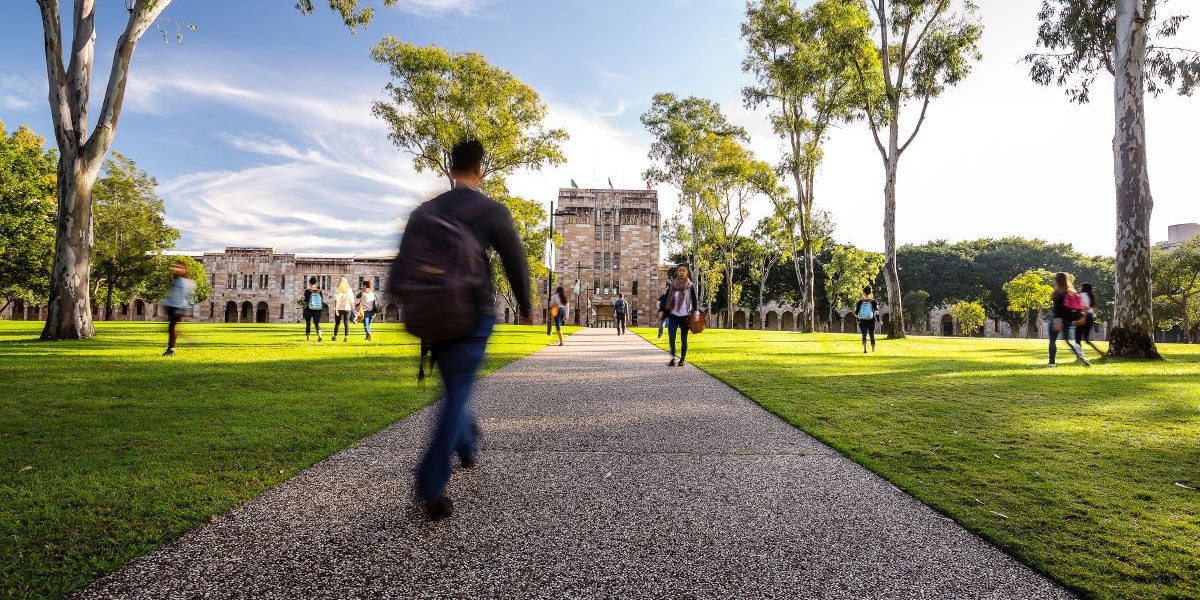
(697, 321)
(554, 311)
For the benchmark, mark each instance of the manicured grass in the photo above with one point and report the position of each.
(107, 450)
(1071, 470)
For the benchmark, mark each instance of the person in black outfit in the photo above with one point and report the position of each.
(456, 431)
(620, 307)
(867, 312)
(312, 315)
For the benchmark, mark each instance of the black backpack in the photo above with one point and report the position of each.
(436, 274)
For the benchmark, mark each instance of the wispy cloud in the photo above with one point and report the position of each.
(433, 8)
(19, 92)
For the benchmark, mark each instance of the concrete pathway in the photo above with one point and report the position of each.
(605, 474)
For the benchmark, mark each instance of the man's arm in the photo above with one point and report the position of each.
(512, 255)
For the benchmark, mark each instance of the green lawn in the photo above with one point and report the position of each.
(1072, 470)
(107, 450)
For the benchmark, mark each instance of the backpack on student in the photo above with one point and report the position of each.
(436, 273)
(619, 308)
(315, 301)
(866, 311)
(1074, 305)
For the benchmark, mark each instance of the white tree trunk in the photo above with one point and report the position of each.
(891, 271)
(69, 311)
(1134, 307)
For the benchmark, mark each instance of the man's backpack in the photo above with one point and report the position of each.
(315, 301)
(619, 308)
(1074, 305)
(436, 274)
(866, 311)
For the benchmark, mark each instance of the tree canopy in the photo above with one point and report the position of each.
(439, 98)
(27, 215)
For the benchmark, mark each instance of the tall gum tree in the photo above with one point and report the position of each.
(1081, 39)
(82, 147)
(923, 47)
(439, 98)
(800, 59)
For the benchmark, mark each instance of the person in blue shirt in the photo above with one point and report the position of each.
(178, 301)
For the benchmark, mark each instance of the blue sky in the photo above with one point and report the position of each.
(258, 126)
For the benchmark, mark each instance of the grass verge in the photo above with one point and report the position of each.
(108, 450)
(1090, 475)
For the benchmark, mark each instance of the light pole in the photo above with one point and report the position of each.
(550, 276)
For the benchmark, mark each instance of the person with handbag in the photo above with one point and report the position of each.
(680, 304)
(368, 304)
(1066, 314)
(559, 307)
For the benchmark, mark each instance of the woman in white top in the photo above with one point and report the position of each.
(678, 304)
(368, 303)
(343, 303)
(1083, 333)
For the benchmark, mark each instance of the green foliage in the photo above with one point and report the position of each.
(1079, 42)
(159, 281)
(130, 230)
(1030, 291)
(1082, 463)
(27, 215)
(969, 315)
(127, 451)
(354, 13)
(438, 99)
(1176, 280)
(916, 307)
(851, 269)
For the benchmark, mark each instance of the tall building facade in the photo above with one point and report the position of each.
(610, 246)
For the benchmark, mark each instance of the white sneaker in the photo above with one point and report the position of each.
(1049, 365)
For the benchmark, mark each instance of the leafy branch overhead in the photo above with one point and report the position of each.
(1077, 39)
(438, 98)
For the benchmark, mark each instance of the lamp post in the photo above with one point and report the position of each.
(550, 276)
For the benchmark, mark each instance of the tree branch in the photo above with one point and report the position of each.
(870, 114)
(60, 110)
(144, 14)
(920, 121)
(79, 71)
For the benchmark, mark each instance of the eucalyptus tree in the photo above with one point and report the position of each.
(850, 270)
(437, 99)
(1080, 40)
(682, 128)
(1177, 285)
(801, 60)
(923, 47)
(771, 239)
(82, 144)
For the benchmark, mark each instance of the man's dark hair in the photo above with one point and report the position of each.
(312, 281)
(466, 155)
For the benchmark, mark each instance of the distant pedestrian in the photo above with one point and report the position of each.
(178, 301)
(314, 304)
(679, 303)
(368, 303)
(662, 315)
(343, 304)
(620, 308)
(1068, 310)
(455, 311)
(559, 307)
(867, 312)
(1083, 333)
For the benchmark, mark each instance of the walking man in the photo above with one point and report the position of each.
(451, 235)
(620, 308)
(178, 300)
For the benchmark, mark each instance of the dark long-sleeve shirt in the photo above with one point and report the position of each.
(493, 227)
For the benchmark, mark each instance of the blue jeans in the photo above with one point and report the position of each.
(458, 362)
(368, 316)
(1066, 337)
(674, 323)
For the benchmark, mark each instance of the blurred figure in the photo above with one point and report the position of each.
(559, 307)
(178, 301)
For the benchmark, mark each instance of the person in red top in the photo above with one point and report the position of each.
(1066, 312)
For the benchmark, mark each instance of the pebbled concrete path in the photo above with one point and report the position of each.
(605, 474)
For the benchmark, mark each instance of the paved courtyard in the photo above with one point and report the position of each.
(605, 474)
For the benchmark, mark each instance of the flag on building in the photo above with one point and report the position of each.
(574, 185)
(610, 185)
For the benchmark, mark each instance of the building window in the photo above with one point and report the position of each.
(376, 284)
(263, 281)
(599, 231)
(247, 282)
(616, 229)
(616, 260)
(633, 290)
(596, 260)
(281, 311)
(282, 284)
(230, 281)
(212, 309)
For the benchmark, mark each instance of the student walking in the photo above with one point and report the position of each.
(620, 308)
(679, 303)
(1068, 309)
(452, 233)
(314, 303)
(559, 308)
(178, 300)
(368, 302)
(662, 315)
(867, 311)
(1083, 333)
(343, 304)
